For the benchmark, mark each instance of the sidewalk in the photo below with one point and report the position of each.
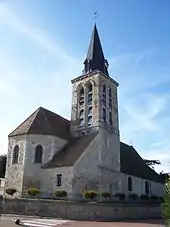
(6, 223)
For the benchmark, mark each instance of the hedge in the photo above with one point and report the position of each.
(60, 193)
(121, 196)
(33, 191)
(144, 197)
(133, 196)
(106, 194)
(90, 194)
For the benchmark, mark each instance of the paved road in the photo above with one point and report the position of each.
(36, 222)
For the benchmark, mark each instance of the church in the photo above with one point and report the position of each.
(49, 152)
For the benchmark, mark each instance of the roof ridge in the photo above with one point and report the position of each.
(37, 110)
(143, 161)
(55, 114)
(46, 118)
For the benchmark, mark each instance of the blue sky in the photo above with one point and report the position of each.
(42, 47)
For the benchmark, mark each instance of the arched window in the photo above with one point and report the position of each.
(90, 111)
(104, 88)
(81, 96)
(104, 95)
(38, 154)
(90, 93)
(104, 114)
(81, 122)
(90, 87)
(110, 92)
(81, 117)
(90, 97)
(110, 98)
(110, 118)
(15, 154)
(130, 184)
(146, 187)
(89, 120)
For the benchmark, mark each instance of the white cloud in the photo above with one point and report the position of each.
(23, 91)
(143, 111)
(144, 104)
(36, 35)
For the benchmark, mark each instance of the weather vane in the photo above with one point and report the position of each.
(95, 16)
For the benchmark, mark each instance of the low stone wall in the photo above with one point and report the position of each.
(81, 210)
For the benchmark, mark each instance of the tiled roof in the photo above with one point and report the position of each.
(71, 152)
(133, 164)
(44, 122)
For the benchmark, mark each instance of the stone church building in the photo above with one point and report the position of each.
(50, 152)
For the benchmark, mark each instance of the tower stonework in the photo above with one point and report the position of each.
(94, 104)
(95, 109)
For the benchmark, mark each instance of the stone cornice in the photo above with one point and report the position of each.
(82, 77)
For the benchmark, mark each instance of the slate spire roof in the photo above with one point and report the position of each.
(95, 59)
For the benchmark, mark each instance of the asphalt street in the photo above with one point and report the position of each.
(9, 221)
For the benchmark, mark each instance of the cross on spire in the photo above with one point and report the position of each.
(95, 16)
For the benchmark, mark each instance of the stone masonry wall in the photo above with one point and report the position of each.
(139, 186)
(49, 180)
(14, 172)
(86, 172)
(33, 173)
(26, 173)
(2, 185)
(82, 210)
(99, 165)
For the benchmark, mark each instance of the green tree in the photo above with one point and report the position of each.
(2, 165)
(152, 163)
(166, 204)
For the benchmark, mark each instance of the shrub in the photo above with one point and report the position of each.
(90, 194)
(11, 191)
(144, 197)
(33, 191)
(153, 197)
(60, 193)
(106, 195)
(133, 196)
(121, 196)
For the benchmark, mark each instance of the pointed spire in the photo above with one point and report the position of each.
(95, 58)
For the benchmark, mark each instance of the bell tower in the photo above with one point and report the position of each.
(94, 94)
